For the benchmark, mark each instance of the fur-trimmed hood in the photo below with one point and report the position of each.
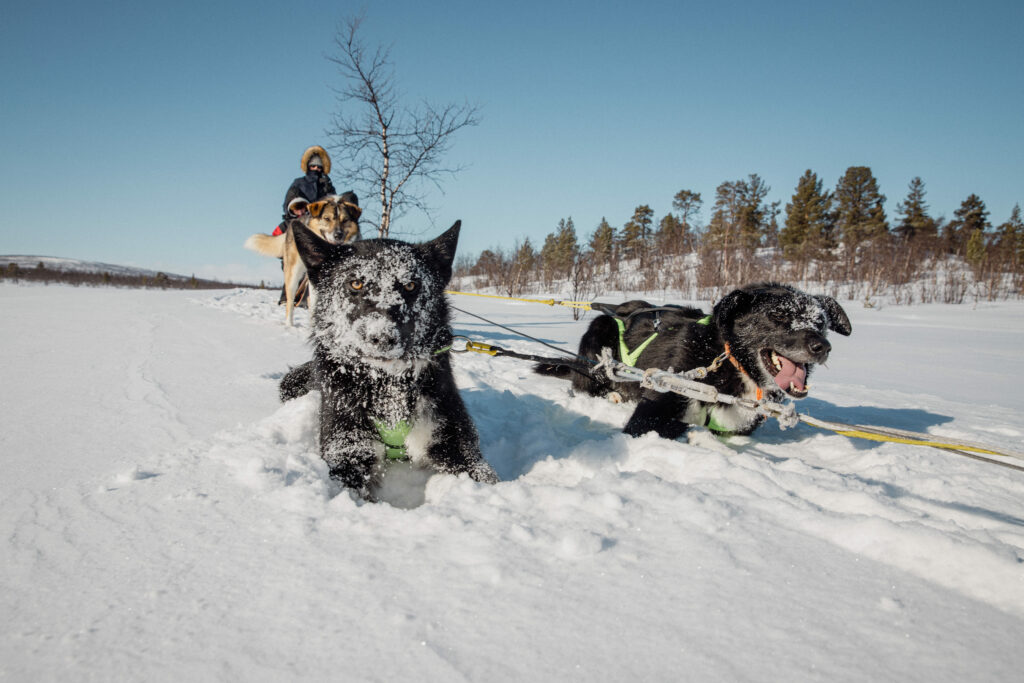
(308, 154)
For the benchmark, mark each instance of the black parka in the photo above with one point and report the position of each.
(312, 186)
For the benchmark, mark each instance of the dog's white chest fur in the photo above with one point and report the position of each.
(724, 417)
(421, 434)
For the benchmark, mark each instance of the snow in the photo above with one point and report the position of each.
(165, 517)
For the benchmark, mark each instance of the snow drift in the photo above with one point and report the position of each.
(165, 517)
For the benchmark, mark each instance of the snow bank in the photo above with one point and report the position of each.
(165, 517)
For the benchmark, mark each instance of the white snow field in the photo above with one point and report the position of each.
(165, 518)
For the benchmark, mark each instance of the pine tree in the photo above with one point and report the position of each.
(913, 212)
(671, 234)
(976, 249)
(809, 221)
(525, 256)
(559, 250)
(770, 234)
(740, 217)
(687, 204)
(971, 217)
(754, 214)
(636, 234)
(602, 241)
(488, 263)
(860, 215)
(721, 232)
(1011, 236)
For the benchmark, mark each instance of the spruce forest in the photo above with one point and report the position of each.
(841, 242)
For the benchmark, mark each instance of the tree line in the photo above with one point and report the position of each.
(841, 238)
(40, 273)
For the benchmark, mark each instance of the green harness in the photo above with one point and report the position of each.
(709, 421)
(625, 355)
(630, 358)
(393, 438)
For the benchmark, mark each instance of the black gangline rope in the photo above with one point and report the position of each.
(577, 362)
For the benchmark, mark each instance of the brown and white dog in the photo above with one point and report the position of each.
(335, 219)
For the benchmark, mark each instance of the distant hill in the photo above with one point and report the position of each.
(77, 272)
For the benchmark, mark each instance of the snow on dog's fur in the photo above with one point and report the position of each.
(380, 319)
(774, 334)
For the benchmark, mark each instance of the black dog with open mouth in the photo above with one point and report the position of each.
(773, 335)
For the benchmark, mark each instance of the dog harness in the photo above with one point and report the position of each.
(630, 357)
(710, 423)
(714, 426)
(393, 438)
(759, 393)
(706, 320)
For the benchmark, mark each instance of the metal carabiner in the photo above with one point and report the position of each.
(465, 347)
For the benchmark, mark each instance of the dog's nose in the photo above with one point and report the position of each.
(819, 346)
(380, 339)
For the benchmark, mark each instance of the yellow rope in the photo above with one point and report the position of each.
(900, 436)
(853, 431)
(913, 442)
(584, 305)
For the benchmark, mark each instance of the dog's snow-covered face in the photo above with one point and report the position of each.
(380, 300)
(778, 333)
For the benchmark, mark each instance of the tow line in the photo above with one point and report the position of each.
(687, 384)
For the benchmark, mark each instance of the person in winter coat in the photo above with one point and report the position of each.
(314, 185)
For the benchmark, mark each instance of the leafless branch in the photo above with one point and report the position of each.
(387, 150)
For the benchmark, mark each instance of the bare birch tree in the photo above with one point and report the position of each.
(383, 147)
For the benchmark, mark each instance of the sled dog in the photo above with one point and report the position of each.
(379, 334)
(334, 218)
(772, 335)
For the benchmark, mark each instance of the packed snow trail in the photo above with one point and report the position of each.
(164, 516)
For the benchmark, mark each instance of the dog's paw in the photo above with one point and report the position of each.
(483, 473)
(614, 397)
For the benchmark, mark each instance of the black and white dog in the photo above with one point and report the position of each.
(379, 329)
(773, 336)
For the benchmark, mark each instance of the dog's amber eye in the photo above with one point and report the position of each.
(356, 284)
(410, 286)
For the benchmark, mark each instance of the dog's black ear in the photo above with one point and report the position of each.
(728, 306)
(443, 248)
(837, 319)
(312, 250)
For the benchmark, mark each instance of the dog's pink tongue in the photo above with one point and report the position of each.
(791, 373)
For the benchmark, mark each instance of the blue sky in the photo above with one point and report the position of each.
(162, 136)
